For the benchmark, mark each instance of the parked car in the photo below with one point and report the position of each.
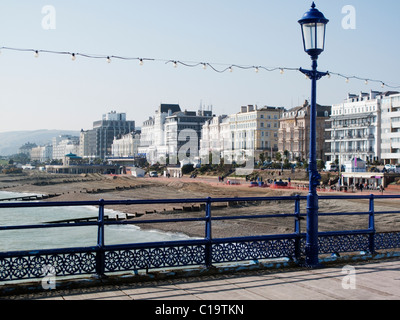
(153, 174)
(330, 167)
(390, 168)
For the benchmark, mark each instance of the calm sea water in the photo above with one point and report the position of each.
(15, 240)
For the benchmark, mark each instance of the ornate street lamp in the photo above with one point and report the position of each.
(313, 26)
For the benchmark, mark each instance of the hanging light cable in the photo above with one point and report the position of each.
(225, 68)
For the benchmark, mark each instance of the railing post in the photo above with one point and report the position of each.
(297, 229)
(100, 255)
(371, 224)
(208, 246)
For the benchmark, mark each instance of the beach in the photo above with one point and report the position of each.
(124, 187)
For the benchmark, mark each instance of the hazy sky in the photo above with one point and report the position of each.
(54, 92)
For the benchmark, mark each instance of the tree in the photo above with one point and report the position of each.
(187, 168)
(320, 164)
(278, 156)
(262, 158)
(286, 164)
(286, 153)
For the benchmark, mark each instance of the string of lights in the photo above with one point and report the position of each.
(217, 67)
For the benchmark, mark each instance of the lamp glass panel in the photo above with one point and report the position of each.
(309, 36)
(320, 36)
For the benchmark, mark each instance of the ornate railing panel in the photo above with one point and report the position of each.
(387, 240)
(254, 249)
(343, 243)
(31, 265)
(154, 257)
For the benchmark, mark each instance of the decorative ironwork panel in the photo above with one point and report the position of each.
(30, 267)
(389, 240)
(153, 258)
(343, 243)
(254, 250)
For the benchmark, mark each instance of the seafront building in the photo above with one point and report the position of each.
(126, 146)
(164, 134)
(42, 154)
(183, 134)
(390, 128)
(364, 127)
(64, 144)
(355, 128)
(97, 142)
(152, 140)
(294, 132)
(124, 150)
(214, 139)
(244, 135)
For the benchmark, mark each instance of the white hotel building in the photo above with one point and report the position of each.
(390, 128)
(361, 128)
(126, 146)
(165, 134)
(246, 134)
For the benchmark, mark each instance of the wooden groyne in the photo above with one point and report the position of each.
(31, 198)
(127, 216)
(173, 210)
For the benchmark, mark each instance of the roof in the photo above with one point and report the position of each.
(72, 156)
(164, 108)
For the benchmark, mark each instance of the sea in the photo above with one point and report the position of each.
(66, 237)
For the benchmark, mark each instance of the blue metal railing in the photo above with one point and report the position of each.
(102, 259)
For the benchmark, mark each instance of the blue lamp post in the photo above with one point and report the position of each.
(313, 26)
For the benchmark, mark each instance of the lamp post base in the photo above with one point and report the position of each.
(311, 261)
(306, 265)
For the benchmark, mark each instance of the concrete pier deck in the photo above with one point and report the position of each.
(374, 280)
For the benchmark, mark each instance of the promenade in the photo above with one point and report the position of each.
(374, 280)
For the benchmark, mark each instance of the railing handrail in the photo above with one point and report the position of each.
(146, 201)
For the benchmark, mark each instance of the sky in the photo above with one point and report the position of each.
(54, 92)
